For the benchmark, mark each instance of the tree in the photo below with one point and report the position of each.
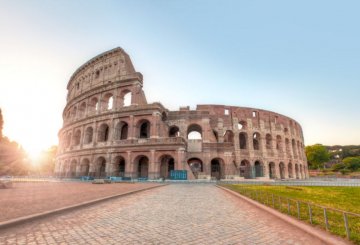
(317, 155)
(352, 163)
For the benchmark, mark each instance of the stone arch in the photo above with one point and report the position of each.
(121, 130)
(272, 170)
(194, 132)
(294, 148)
(108, 101)
(103, 133)
(85, 167)
(126, 98)
(268, 140)
(287, 145)
(279, 145)
(100, 167)
(72, 169)
(94, 105)
(82, 109)
(73, 112)
(167, 164)
(296, 171)
(142, 166)
(301, 174)
(174, 131)
(68, 140)
(229, 137)
(88, 135)
(119, 166)
(290, 170)
(217, 168)
(196, 166)
(243, 140)
(242, 125)
(282, 170)
(256, 141)
(77, 137)
(245, 169)
(259, 169)
(143, 129)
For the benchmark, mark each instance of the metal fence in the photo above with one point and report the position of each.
(336, 221)
(306, 182)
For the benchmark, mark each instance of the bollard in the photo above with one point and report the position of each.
(310, 213)
(326, 220)
(346, 226)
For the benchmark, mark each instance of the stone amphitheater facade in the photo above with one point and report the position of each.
(110, 129)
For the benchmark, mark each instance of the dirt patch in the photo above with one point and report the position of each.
(36, 197)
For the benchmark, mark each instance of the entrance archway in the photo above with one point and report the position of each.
(216, 171)
(272, 171)
(119, 166)
(167, 163)
(259, 172)
(196, 166)
(245, 169)
(143, 167)
(282, 170)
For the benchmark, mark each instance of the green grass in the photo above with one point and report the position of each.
(286, 199)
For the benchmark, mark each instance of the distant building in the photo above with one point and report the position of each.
(111, 130)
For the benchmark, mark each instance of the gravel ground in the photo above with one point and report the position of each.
(36, 197)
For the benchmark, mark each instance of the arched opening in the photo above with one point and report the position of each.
(245, 169)
(127, 99)
(73, 168)
(216, 171)
(103, 133)
(77, 137)
(243, 140)
(73, 112)
(121, 131)
(287, 145)
(84, 167)
(259, 170)
(100, 168)
(144, 129)
(143, 167)
(164, 116)
(301, 172)
(282, 170)
(268, 141)
(290, 170)
(94, 105)
(229, 137)
(196, 166)
(82, 109)
(110, 103)
(256, 141)
(174, 131)
(294, 148)
(68, 140)
(296, 171)
(119, 166)
(167, 164)
(88, 135)
(279, 143)
(194, 132)
(242, 125)
(272, 170)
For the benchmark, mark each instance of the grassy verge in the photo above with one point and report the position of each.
(302, 201)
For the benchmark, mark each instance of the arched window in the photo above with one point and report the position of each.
(256, 141)
(242, 125)
(77, 137)
(279, 146)
(243, 140)
(194, 132)
(94, 105)
(103, 133)
(229, 136)
(127, 97)
(88, 135)
(268, 141)
(174, 131)
(82, 109)
(144, 129)
(121, 131)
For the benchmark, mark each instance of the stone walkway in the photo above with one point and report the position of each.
(174, 214)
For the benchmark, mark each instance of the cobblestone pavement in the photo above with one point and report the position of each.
(174, 214)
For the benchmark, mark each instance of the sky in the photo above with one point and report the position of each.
(297, 58)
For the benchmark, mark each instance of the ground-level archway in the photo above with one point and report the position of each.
(245, 169)
(272, 170)
(282, 170)
(259, 169)
(143, 167)
(216, 169)
(196, 166)
(167, 164)
(119, 166)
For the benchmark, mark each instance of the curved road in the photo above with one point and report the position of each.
(174, 214)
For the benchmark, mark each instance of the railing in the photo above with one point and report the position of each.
(339, 222)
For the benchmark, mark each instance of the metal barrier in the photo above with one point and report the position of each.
(339, 222)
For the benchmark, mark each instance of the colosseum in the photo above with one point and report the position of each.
(110, 129)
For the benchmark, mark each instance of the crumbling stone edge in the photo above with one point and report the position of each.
(326, 237)
(25, 219)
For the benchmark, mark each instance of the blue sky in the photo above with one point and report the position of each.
(298, 58)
